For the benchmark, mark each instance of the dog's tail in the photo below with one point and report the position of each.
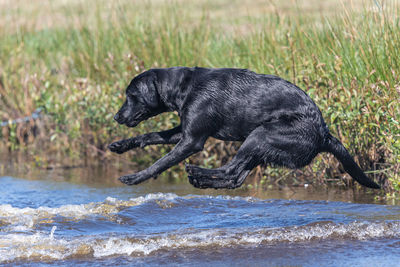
(335, 147)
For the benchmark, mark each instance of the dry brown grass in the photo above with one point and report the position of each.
(38, 15)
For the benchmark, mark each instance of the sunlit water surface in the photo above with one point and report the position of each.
(61, 222)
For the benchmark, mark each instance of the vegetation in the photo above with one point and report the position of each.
(74, 61)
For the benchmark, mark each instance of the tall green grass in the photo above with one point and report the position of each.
(349, 64)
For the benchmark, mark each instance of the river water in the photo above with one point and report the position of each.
(54, 219)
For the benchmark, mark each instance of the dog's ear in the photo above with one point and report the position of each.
(149, 91)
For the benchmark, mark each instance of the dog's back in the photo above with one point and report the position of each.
(239, 100)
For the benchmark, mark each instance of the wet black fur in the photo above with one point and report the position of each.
(277, 122)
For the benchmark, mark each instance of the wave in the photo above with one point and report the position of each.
(21, 219)
(22, 238)
(43, 246)
(26, 218)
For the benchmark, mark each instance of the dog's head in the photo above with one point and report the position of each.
(142, 100)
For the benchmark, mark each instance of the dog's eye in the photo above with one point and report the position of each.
(134, 99)
(131, 96)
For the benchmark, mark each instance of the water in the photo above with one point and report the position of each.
(61, 222)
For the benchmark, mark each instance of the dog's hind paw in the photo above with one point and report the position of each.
(209, 182)
(190, 168)
(196, 182)
(194, 170)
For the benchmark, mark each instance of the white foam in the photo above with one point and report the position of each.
(44, 246)
(53, 229)
(21, 219)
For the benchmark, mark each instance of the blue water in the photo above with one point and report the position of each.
(62, 223)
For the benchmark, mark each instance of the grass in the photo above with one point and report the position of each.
(74, 60)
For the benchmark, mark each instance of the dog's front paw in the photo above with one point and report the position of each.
(118, 147)
(125, 145)
(133, 179)
(129, 179)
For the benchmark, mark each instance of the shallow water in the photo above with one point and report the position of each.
(63, 222)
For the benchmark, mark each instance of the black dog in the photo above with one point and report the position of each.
(278, 123)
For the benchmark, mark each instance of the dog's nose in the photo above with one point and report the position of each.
(116, 117)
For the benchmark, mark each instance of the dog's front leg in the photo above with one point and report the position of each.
(181, 151)
(171, 136)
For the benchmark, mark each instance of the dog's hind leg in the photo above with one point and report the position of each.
(279, 144)
(233, 174)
